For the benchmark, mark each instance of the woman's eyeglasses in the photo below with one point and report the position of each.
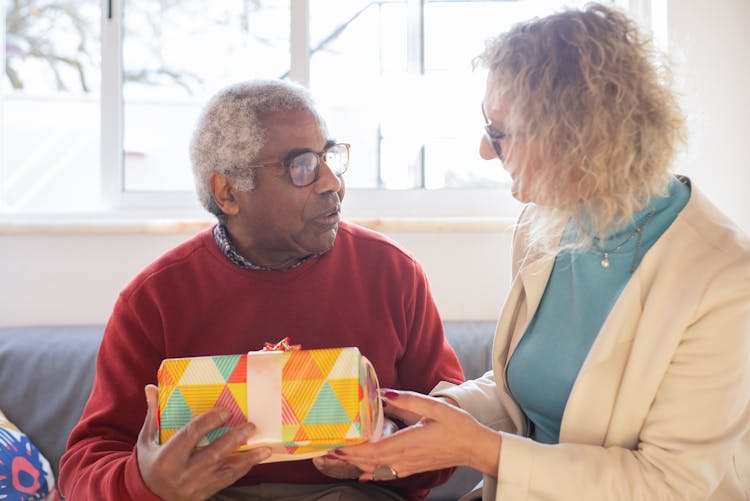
(493, 137)
(304, 167)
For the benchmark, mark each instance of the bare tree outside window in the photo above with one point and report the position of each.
(60, 37)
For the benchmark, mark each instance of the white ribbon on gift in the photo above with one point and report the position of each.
(264, 401)
(264, 405)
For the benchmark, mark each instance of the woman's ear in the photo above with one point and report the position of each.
(223, 193)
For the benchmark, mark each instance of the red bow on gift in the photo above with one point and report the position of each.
(282, 345)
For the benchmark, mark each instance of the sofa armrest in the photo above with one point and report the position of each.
(47, 373)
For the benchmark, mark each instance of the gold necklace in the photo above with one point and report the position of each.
(637, 232)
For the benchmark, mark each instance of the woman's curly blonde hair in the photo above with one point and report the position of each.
(591, 94)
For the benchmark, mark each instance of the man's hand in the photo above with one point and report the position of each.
(176, 471)
(336, 468)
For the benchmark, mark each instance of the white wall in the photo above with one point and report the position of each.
(711, 46)
(75, 279)
(71, 279)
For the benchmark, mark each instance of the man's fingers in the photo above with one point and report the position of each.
(241, 462)
(336, 468)
(223, 446)
(236, 466)
(150, 428)
(188, 437)
(257, 455)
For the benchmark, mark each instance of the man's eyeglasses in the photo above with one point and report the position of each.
(304, 167)
(493, 137)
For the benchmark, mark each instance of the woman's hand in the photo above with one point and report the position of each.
(445, 436)
(335, 467)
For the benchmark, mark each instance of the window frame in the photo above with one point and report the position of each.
(361, 203)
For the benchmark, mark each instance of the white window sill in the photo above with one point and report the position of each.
(42, 226)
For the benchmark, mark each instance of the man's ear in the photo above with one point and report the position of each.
(223, 193)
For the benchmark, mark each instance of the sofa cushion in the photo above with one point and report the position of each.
(472, 342)
(24, 472)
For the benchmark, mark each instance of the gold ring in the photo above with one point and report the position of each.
(384, 472)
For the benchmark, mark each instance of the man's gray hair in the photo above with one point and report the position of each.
(230, 132)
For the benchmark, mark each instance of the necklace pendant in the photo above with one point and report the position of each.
(605, 261)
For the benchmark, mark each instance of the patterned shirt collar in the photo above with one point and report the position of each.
(221, 237)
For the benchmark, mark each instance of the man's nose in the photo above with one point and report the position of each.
(327, 180)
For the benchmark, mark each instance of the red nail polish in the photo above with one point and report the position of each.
(390, 395)
(362, 480)
(339, 452)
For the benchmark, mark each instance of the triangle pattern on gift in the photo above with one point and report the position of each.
(307, 450)
(347, 365)
(226, 365)
(176, 411)
(301, 435)
(176, 367)
(164, 376)
(326, 359)
(164, 393)
(301, 395)
(216, 433)
(348, 393)
(287, 414)
(226, 399)
(300, 365)
(239, 392)
(288, 432)
(327, 431)
(165, 435)
(353, 431)
(327, 408)
(240, 371)
(201, 397)
(201, 370)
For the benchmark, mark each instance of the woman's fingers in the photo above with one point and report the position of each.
(429, 444)
(409, 402)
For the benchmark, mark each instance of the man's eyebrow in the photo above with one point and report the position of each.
(297, 151)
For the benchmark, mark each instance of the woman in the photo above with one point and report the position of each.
(621, 365)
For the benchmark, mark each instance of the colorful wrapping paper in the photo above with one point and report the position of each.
(303, 402)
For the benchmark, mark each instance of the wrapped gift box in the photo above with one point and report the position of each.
(303, 402)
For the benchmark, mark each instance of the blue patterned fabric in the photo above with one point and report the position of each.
(25, 474)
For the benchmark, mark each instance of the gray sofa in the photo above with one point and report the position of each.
(46, 375)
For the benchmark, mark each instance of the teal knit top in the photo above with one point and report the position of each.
(582, 289)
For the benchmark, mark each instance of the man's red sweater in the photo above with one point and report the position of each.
(194, 301)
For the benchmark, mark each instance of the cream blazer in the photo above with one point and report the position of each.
(661, 406)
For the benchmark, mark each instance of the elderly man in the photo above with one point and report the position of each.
(278, 263)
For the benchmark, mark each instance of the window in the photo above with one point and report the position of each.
(98, 100)
(49, 106)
